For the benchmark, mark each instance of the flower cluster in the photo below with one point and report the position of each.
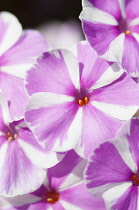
(68, 125)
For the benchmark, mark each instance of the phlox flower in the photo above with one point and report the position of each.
(22, 160)
(78, 102)
(112, 29)
(18, 51)
(63, 188)
(113, 169)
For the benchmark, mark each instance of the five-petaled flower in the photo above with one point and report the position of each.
(113, 169)
(78, 102)
(112, 29)
(62, 189)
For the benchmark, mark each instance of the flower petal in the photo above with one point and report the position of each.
(132, 9)
(53, 118)
(10, 203)
(130, 61)
(94, 14)
(10, 31)
(81, 198)
(106, 168)
(18, 59)
(109, 75)
(121, 197)
(71, 175)
(118, 99)
(129, 132)
(16, 97)
(97, 127)
(18, 175)
(39, 156)
(4, 111)
(60, 68)
(115, 50)
(35, 153)
(112, 8)
(100, 35)
(90, 64)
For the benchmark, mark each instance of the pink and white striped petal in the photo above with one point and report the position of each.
(94, 71)
(53, 118)
(10, 31)
(4, 111)
(119, 99)
(22, 55)
(97, 126)
(122, 196)
(130, 61)
(114, 8)
(39, 156)
(106, 169)
(17, 97)
(132, 9)
(116, 48)
(100, 42)
(72, 174)
(98, 20)
(18, 174)
(10, 203)
(60, 68)
(93, 14)
(80, 198)
(129, 135)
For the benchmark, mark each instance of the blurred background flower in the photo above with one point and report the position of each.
(55, 19)
(61, 34)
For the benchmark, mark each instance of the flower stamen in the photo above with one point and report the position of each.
(11, 137)
(127, 32)
(135, 179)
(52, 197)
(83, 101)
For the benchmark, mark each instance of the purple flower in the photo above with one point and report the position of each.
(63, 188)
(113, 169)
(18, 51)
(112, 28)
(78, 102)
(61, 34)
(22, 160)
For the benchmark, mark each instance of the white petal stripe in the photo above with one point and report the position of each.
(111, 196)
(43, 99)
(116, 111)
(93, 14)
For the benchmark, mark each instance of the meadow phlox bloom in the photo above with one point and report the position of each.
(78, 102)
(113, 169)
(112, 29)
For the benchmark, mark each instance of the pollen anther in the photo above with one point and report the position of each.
(127, 32)
(52, 197)
(86, 100)
(83, 101)
(15, 136)
(10, 137)
(135, 179)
